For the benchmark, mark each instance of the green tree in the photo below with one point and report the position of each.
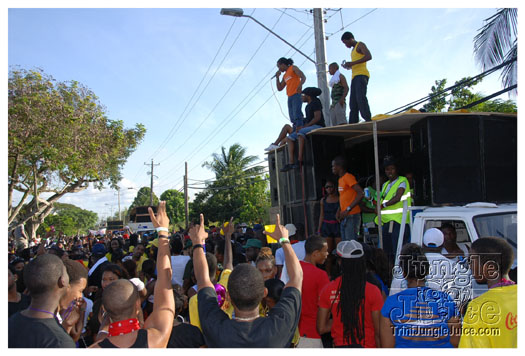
(69, 219)
(239, 190)
(59, 141)
(143, 198)
(174, 205)
(437, 103)
(462, 95)
(497, 42)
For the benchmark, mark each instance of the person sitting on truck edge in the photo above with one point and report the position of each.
(314, 120)
(360, 77)
(293, 80)
(395, 191)
(350, 194)
(418, 317)
(339, 92)
(490, 260)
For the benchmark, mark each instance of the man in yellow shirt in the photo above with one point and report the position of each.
(360, 76)
(491, 320)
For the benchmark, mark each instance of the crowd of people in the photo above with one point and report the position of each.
(227, 286)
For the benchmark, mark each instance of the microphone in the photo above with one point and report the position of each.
(274, 76)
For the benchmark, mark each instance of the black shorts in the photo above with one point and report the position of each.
(330, 230)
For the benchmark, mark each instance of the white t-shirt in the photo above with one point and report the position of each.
(462, 247)
(178, 263)
(89, 309)
(279, 258)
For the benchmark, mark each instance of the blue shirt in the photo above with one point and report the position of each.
(420, 312)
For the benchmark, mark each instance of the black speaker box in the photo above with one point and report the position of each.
(463, 159)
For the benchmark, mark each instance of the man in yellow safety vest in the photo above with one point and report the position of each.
(394, 193)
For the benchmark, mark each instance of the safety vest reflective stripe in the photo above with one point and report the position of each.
(403, 197)
(389, 212)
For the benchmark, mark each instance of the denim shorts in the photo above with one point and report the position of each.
(295, 110)
(303, 132)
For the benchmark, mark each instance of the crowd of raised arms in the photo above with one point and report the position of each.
(228, 287)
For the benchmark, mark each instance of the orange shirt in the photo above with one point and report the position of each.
(347, 194)
(292, 81)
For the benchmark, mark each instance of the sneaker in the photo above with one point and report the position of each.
(287, 167)
(296, 165)
(271, 147)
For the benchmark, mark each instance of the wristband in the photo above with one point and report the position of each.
(160, 228)
(347, 209)
(284, 240)
(201, 246)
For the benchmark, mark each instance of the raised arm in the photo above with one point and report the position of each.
(200, 265)
(293, 267)
(161, 319)
(280, 83)
(228, 254)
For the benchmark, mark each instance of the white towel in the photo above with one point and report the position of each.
(335, 78)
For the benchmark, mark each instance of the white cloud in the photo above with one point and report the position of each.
(394, 54)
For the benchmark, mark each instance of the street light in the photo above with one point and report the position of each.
(240, 13)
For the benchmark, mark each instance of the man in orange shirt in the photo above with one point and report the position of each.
(350, 194)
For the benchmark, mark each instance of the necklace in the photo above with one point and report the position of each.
(44, 311)
(122, 327)
(244, 319)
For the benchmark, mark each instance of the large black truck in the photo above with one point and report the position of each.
(456, 158)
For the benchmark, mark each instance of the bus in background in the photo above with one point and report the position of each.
(139, 220)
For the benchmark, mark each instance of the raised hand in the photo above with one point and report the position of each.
(197, 233)
(228, 227)
(161, 220)
(280, 231)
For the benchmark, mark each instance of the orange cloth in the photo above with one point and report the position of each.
(347, 194)
(292, 81)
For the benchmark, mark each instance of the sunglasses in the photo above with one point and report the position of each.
(329, 187)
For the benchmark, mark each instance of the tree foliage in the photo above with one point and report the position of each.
(463, 95)
(174, 205)
(239, 190)
(69, 219)
(143, 198)
(497, 42)
(60, 140)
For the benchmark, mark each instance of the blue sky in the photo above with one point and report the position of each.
(145, 65)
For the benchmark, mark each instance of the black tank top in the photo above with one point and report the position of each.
(140, 343)
(330, 209)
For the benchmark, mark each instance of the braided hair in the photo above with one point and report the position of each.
(285, 61)
(351, 307)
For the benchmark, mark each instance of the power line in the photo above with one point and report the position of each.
(295, 18)
(351, 23)
(225, 93)
(206, 86)
(166, 140)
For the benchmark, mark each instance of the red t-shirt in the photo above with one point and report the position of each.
(373, 302)
(314, 280)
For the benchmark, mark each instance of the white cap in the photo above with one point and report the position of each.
(433, 238)
(291, 229)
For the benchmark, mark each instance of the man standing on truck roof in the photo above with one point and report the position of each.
(360, 76)
(395, 191)
(350, 194)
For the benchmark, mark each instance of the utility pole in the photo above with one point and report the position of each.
(186, 210)
(151, 185)
(320, 63)
(118, 193)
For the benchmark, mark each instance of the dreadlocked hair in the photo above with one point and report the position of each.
(351, 307)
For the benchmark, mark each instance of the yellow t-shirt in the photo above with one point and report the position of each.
(194, 306)
(491, 320)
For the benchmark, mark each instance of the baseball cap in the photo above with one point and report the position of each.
(99, 249)
(433, 238)
(349, 249)
(253, 243)
(291, 229)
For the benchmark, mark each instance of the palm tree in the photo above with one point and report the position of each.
(497, 42)
(233, 163)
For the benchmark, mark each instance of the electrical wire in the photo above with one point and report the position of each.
(225, 93)
(295, 18)
(351, 23)
(168, 137)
